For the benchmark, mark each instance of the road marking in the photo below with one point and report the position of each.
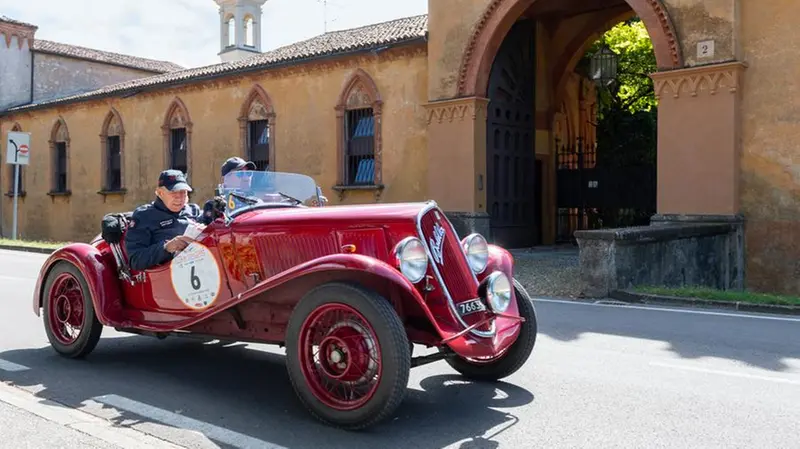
(173, 419)
(124, 437)
(16, 278)
(662, 309)
(726, 373)
(5, 365)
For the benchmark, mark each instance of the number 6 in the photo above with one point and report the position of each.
(194, 279)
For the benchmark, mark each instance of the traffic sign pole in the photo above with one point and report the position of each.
(17, 153)
(16, 200)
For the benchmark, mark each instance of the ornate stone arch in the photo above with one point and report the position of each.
(112, 127)
(257, 106)
(177, 117)
(500, 15)
(359, 92)
(60, 180)
(16, 128)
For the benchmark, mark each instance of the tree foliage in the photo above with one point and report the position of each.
(633, 89)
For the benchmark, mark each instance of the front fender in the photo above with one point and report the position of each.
(101, 278)
(500, 259)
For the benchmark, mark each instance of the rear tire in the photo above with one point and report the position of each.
(363, 349)
(68, 304)
(514, 357)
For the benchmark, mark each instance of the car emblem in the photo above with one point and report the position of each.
(436, 243)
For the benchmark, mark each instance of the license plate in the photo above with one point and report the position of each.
(471, 306)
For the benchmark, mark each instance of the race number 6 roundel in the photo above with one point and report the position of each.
(196, 276)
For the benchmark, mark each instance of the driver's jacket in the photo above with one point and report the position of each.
(151, 226)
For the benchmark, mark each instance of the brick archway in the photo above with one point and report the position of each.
(500, 15)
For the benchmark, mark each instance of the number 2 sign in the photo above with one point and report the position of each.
(196, 276)
(705, 49)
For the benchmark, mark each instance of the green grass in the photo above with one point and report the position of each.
(721, 295)
(32, 243)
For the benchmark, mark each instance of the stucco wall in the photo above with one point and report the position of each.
(58, 76)
(305, 139)
(770, 198)
(15, 72)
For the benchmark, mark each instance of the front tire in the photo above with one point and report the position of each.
(514, 357)
(69, 317)
(347, 354)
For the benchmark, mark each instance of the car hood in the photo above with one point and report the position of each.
(367, 213)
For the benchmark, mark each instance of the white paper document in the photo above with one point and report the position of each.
(193, 230)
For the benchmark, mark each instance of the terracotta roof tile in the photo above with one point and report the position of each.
(332, 43)
(16, 22)
(45, 46)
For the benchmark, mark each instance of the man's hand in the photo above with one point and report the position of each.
(177, 244)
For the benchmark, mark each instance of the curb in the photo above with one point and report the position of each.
(27, 249)
(646, 298)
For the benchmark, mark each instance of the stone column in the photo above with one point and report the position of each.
(699, 139)
(457, 161)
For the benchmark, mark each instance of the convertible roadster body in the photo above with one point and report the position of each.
(347, 290)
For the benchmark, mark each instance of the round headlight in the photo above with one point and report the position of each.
(412, 259)
(498, 291)
(477, 252)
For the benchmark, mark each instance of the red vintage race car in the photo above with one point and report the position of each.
(347, 290)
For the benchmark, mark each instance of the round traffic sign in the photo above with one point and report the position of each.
(23, 149)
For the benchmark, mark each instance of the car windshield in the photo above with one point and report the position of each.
(246, 189)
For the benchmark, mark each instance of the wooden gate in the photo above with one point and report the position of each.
(511, 188)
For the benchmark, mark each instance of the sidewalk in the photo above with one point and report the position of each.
(29, 422)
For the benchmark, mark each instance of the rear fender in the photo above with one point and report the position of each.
(350, 267)
(100, 275)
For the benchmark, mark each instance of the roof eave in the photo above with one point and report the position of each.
(137, 90)
(116, 64)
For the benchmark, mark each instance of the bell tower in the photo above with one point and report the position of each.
(240, 28)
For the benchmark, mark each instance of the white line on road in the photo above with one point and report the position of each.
(5, 365)
(89, 424)
(173, 419)
(661, 309)
(726, 373)
(16, 278)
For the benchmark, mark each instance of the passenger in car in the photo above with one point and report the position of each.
(215, 207)
(155, 232)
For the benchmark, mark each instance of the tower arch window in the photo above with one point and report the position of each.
(231, 31)
(249, 32)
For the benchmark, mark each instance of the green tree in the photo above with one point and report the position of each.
(633, 88)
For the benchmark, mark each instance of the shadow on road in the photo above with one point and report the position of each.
(248, 391)
(756, 342)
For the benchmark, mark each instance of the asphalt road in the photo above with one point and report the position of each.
(601, 376)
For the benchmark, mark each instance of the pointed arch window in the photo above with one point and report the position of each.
(359, 143)
(112, 143)
(59, 151)
(177, 133)
(20, 184)
(257, 129)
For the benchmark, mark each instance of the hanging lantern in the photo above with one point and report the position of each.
(603, 66)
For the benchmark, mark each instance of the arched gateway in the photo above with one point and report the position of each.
(501, 63)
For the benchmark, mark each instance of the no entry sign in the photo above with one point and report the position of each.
(18, 148)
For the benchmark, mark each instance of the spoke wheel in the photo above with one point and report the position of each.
(70, 322)
(347, 355)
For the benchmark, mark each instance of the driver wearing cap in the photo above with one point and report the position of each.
(155, 233)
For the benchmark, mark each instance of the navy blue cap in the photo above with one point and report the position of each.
(173, 180)
(236, 163)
